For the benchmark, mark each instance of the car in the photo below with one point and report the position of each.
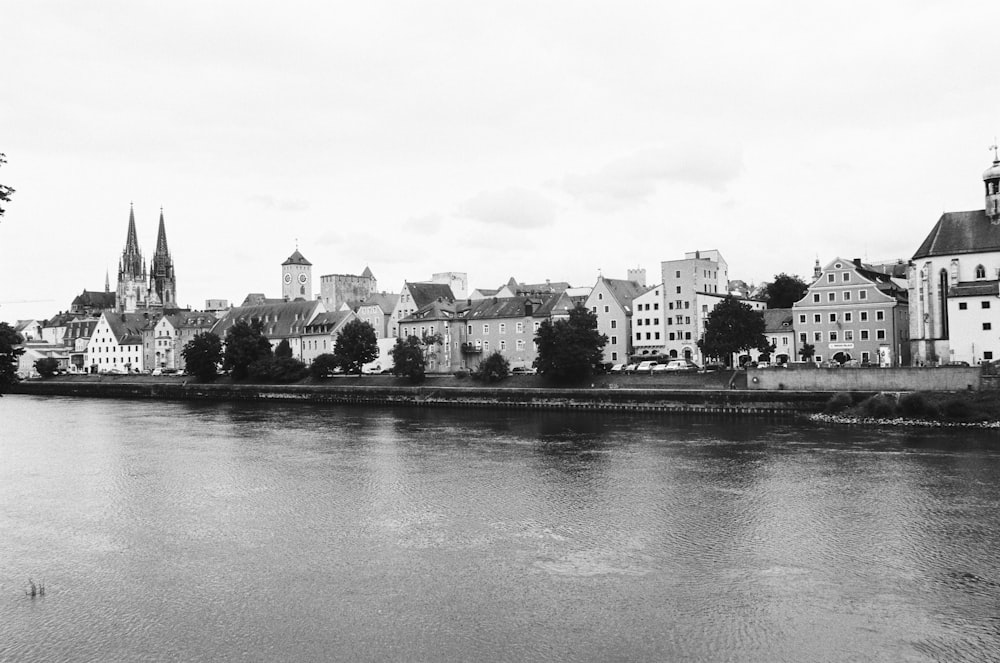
(374, 370)
(168, 371)
(630, 368)
(659, 368)
(523, 370)
(645, 367)
(617, 368)
(114, 370)
(156, 371)
(682, 366)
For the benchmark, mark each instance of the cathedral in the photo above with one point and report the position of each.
(140, 288)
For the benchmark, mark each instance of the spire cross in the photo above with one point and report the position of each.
(994, 147)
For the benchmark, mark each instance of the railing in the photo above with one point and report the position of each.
(471, 348)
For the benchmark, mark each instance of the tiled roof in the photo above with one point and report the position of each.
(127, 327)
(777, 320)
(960, 232)
(974, 289)
(328, 321)
(624, 291)
(384, 300)
(296, 259)
(425, 293)
(94, 299)
(197, 320)
(279, 320)
(510, 307)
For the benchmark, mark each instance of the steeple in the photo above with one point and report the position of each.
(107, 282)
(161, 238)
(161, 271)
(991, 178)
(131, 287)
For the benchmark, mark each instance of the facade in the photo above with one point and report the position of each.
(76, 339)
(320, 335)
(160, 343)
(284, 321)
(413, 297)
(457, 281)
(139, 288)
(162, 281)
(188, 326)
(853, 312)
(377, 310)
(296, 278)
(649, 323)
(93, 303)
(116, 344)
(704, 272)
(953, 282)
(611, 301)
(335, 290)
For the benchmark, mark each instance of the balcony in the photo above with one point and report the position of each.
(471, 349)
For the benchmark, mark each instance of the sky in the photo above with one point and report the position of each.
(540, 140)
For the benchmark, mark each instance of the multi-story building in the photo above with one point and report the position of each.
(159, 342)
(320, 335)
(377, 310)
(280, 322)
(415, 295)
(116, 343)
(611, 300)
(190, 325)
(854, 312)
(296, 278)
(649, 323)
(699, 273)
(336, 290)
(953, 281)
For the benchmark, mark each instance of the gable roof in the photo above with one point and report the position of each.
(777, 320)
(280, 320)
(960, 232)
(424, 293)
(296, 259)
(328, 322)
(624, 291)
(94, 299)
(384, 300)
(127, 327)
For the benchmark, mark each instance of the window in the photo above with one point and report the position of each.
(880, 334)
(486, 346)
(486, 328)
(687, 336)
(520, 345)
(606, 309)
(818, 336)
(819, 359)
(656, 335)
(848, 334)
(520, 327)
(678, 290)
(802, 318)
(614, 324)
(817, 318)
(677, 274)
(848, 316)
(638, 322)
(638, 336)
(687, 304)
(614, 356)
(831, 296)
(833, 317)
(980, 272)
(847, 295)
(687, 320)
(985, 304)
(865, 357)
(847, 276)
(830, 278)
(962, 306)
(864, 316)
(503, 327)
(536, 325)
(614, 340)
(815, 298)
(503, 345)
(987, 355)
(864, 334)
(600, 296)
(833, 336)
(880, 315)
(671, 336)
(863, 294)
(656, 306)
(647, 335)
(987, 326)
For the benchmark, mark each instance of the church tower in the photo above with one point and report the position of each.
(991, 178)
(296, 278)
(132, 291)
(162, 283)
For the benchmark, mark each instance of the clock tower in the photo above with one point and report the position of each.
(296, 278)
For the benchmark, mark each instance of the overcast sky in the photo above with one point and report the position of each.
(540, 140)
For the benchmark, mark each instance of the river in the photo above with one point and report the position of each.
(171, 531)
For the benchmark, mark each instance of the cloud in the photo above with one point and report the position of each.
(634, 179)
(280, 204)
(513, 207)
(429, 223)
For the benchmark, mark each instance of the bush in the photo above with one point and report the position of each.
(277, 369)
(838, 402)
(461, 374)
(47, 366)
(917, 407)
(957, 410)
(492, 369)
(323, 365)
(879, 406)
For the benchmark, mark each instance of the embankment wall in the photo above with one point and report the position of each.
(949, 378)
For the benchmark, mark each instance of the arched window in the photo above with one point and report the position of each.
(980, 272)
(943, 301)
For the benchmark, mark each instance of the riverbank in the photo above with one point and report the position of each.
(520, 392)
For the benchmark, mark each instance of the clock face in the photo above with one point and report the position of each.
(288, 278)
(302, 278)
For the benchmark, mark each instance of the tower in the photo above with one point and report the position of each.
(991, 178)
(162, 282)
(296, 277)
(132, 291)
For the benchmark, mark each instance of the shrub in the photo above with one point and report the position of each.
(461, 374)
(47, 366)
(492, 369)
(957, 410)
(879, 406)
(277, 369)
(323, 365)
(916, 406)
(838, 402)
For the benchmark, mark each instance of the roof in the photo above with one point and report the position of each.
(425, 293)
(385, 300)
(258, 298)
(280, 320)
(367, 273)
(542, 288)
(127, 327)
(960, 232)
(624, 291)
(94, 299)
(197, 320)
(777, 320)
(296, 259)
(510, 307)
(974, 289)
(327, 322)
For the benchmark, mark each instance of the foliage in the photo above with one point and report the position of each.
(284, 349)
(323, 366)
(356, 346)
(492, 369)
(570, 350)
(807, 351)
(408, 359)
(766, 351)
(282, 370)
(245, 344)
(5, 191)
(202, 355)
(917, 407)
(732, 327)
(47, 366)
(784, 291)
(8, 355)
(461, 374)
(879, 406)
(839, 402)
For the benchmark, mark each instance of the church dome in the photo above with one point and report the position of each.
(993, 172)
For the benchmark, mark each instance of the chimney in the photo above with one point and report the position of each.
(857, 263)
(528, 308)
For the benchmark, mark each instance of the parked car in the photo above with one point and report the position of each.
(523, 370)
(660, 368)
(645, 367)
(617, 368)
(156, 371)
(630, 368)
(682, 365)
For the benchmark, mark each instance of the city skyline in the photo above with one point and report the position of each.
(554, 142)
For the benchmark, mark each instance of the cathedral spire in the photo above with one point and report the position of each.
(107, 281)
(132, 239)
(161, 238)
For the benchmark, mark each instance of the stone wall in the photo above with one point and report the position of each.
(947, 378)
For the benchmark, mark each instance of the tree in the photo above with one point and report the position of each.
(245, 344)
(808, 351)
(356, 346)
(8, 355)
(284, 349)
(5, 191)
(323, 366)
(277, 369)
(202, 355)
(492, 369)
(408, 359)
(732, 327)
(765, 351)
(47, 366)
(570, 350)
(784, 291)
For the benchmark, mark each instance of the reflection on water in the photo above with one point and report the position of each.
(273, 532)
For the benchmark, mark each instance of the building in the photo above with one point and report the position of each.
(854, 312)
(320, 335)
(296, 277)
(457, 281)
(779, 328)
(336, 290)
(649, 323)
(160, 343)
(377, 310)
(953, 284)
(413, 297)
(93, 302)
(684, 281)
(116, 344)
(285, 321)
(188, 326)
(162, 280)
(141, 289)
(611, 301)
(76, 339)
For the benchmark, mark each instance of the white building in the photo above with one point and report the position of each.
(116, 344)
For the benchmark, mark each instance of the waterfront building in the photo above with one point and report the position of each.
(692, 287)
(415, 295)
(649, 324)
(377, 310)
(296, 277)
(336, 290)
(35, 350)
(282, 321)
(611, 301)
(854, 311)
(76, 339)
(116, 343)
(159, 342)
(320, 335)
(953, 281)
(188, 326)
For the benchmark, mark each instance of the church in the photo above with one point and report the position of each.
(954, 284)
(142, 286)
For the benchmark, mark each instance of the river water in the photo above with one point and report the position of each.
(215, 532)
